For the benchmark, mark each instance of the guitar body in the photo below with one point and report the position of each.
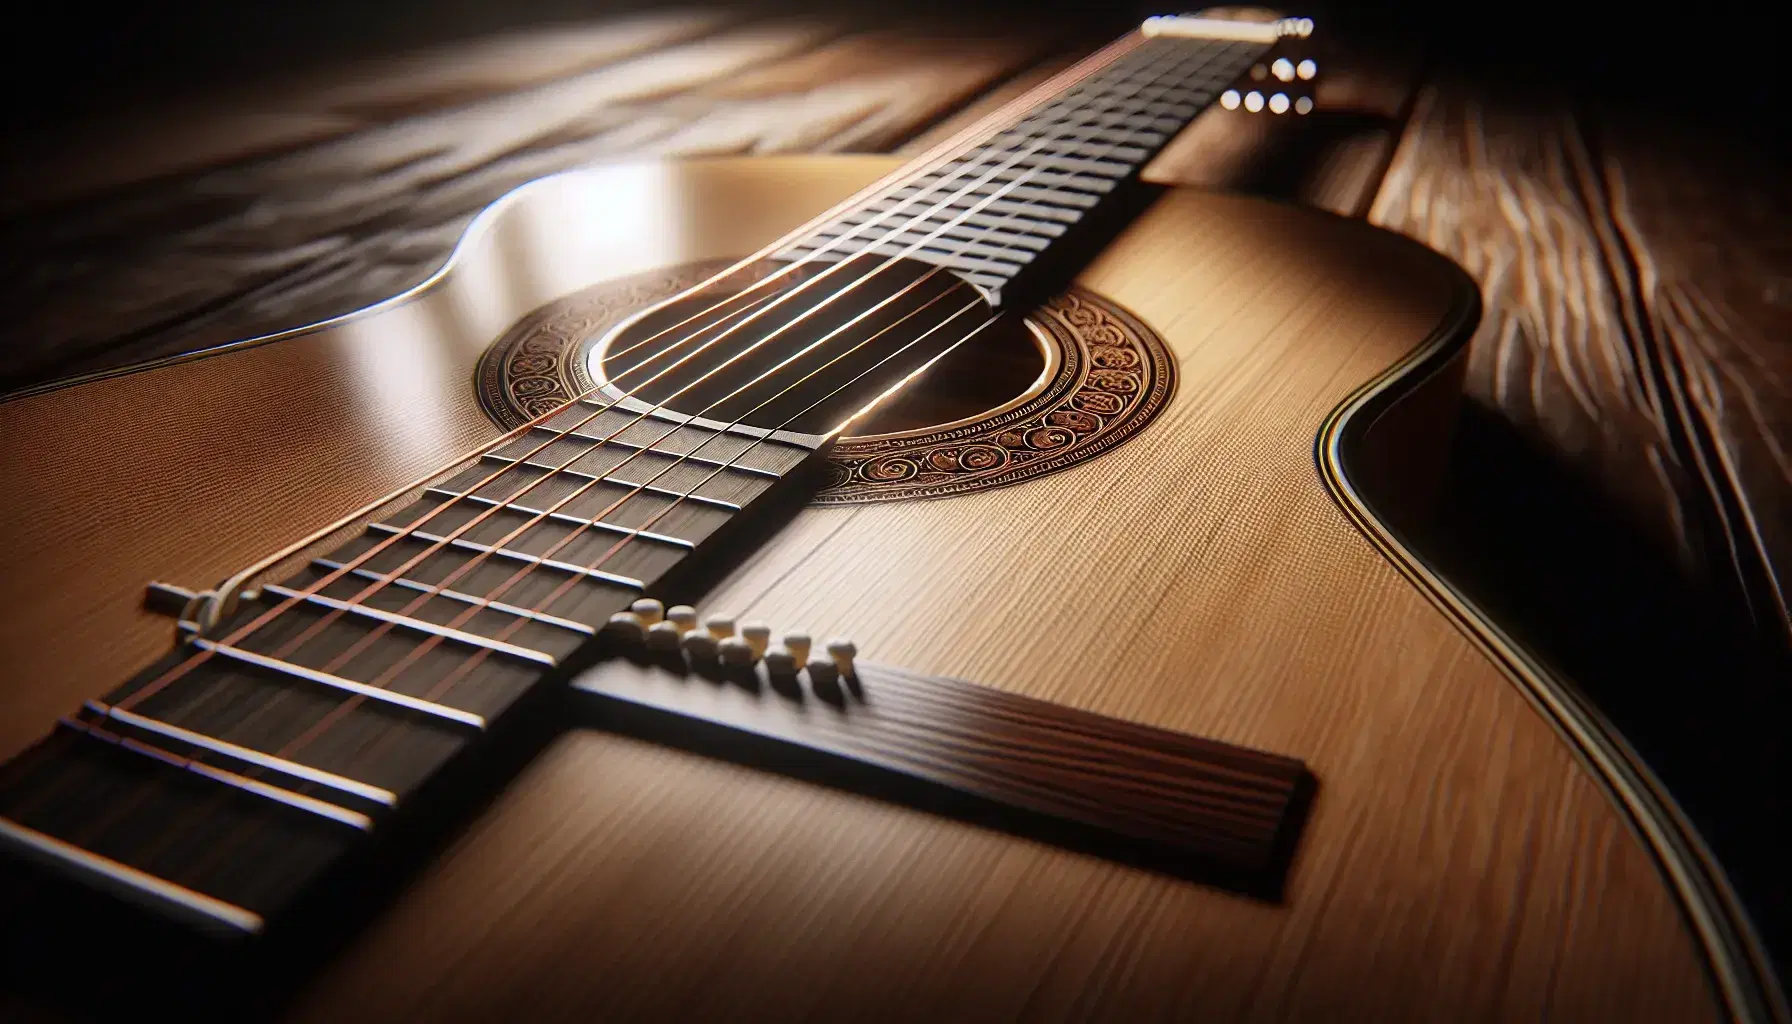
(1472, 852)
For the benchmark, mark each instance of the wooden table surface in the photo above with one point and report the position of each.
(1622, 489)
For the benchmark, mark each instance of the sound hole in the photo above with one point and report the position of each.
(811, 348)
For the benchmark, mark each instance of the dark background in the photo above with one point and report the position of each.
(1714, 61)
(1624, 626)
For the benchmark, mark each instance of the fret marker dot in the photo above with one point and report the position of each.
(1229, 99)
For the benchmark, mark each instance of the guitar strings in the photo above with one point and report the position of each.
(390, 673)
(588, 522)
(952, 222)
(475, 606)
(215, 851)
(475, 658)
(204, 654)
(1171, 58)
(861, 412)
(991, 126)
(193, 661)
(532, 522)
(499, 544)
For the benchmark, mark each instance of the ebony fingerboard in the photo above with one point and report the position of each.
(996, 209)
(218, 792)
(1220, 814)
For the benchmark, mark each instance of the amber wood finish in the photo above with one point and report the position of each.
(1463, 859)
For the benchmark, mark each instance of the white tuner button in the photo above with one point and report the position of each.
(699, 646)
(719, 626)
(798, 646)
(842, 651)
(627, 626)
(663, 636)
(649, 611)
(734, 651)
(683, 616)
(822, 672)
(758, 636)
(780, 663)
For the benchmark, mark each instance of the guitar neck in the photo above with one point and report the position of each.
(222, 781)
(1015, 198)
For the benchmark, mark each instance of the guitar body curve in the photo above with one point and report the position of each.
(1225, 572)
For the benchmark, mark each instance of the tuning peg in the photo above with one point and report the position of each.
(780, 663)
(842, 651)
(649, 611)
(735, 651)
(699, 647)
(758, 636)
(719, 626)
(822, 672)
(663, 636)
(626, 626)
(682, 616)
(798, 646)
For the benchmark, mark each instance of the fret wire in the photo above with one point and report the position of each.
(1173, 71)
(392, 697)
(443, 632)
(297, 801)
(130, 883)
(570, 519)
(245, 754)
(502, 552)
(666, 492)
(455, 595)
(1015, 209)
(572, 433)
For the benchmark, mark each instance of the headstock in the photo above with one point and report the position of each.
(1283, 82)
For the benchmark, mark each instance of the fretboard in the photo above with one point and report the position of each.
(993, 210)
(217, 792)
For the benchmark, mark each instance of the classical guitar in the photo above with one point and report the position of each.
(970, 587)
